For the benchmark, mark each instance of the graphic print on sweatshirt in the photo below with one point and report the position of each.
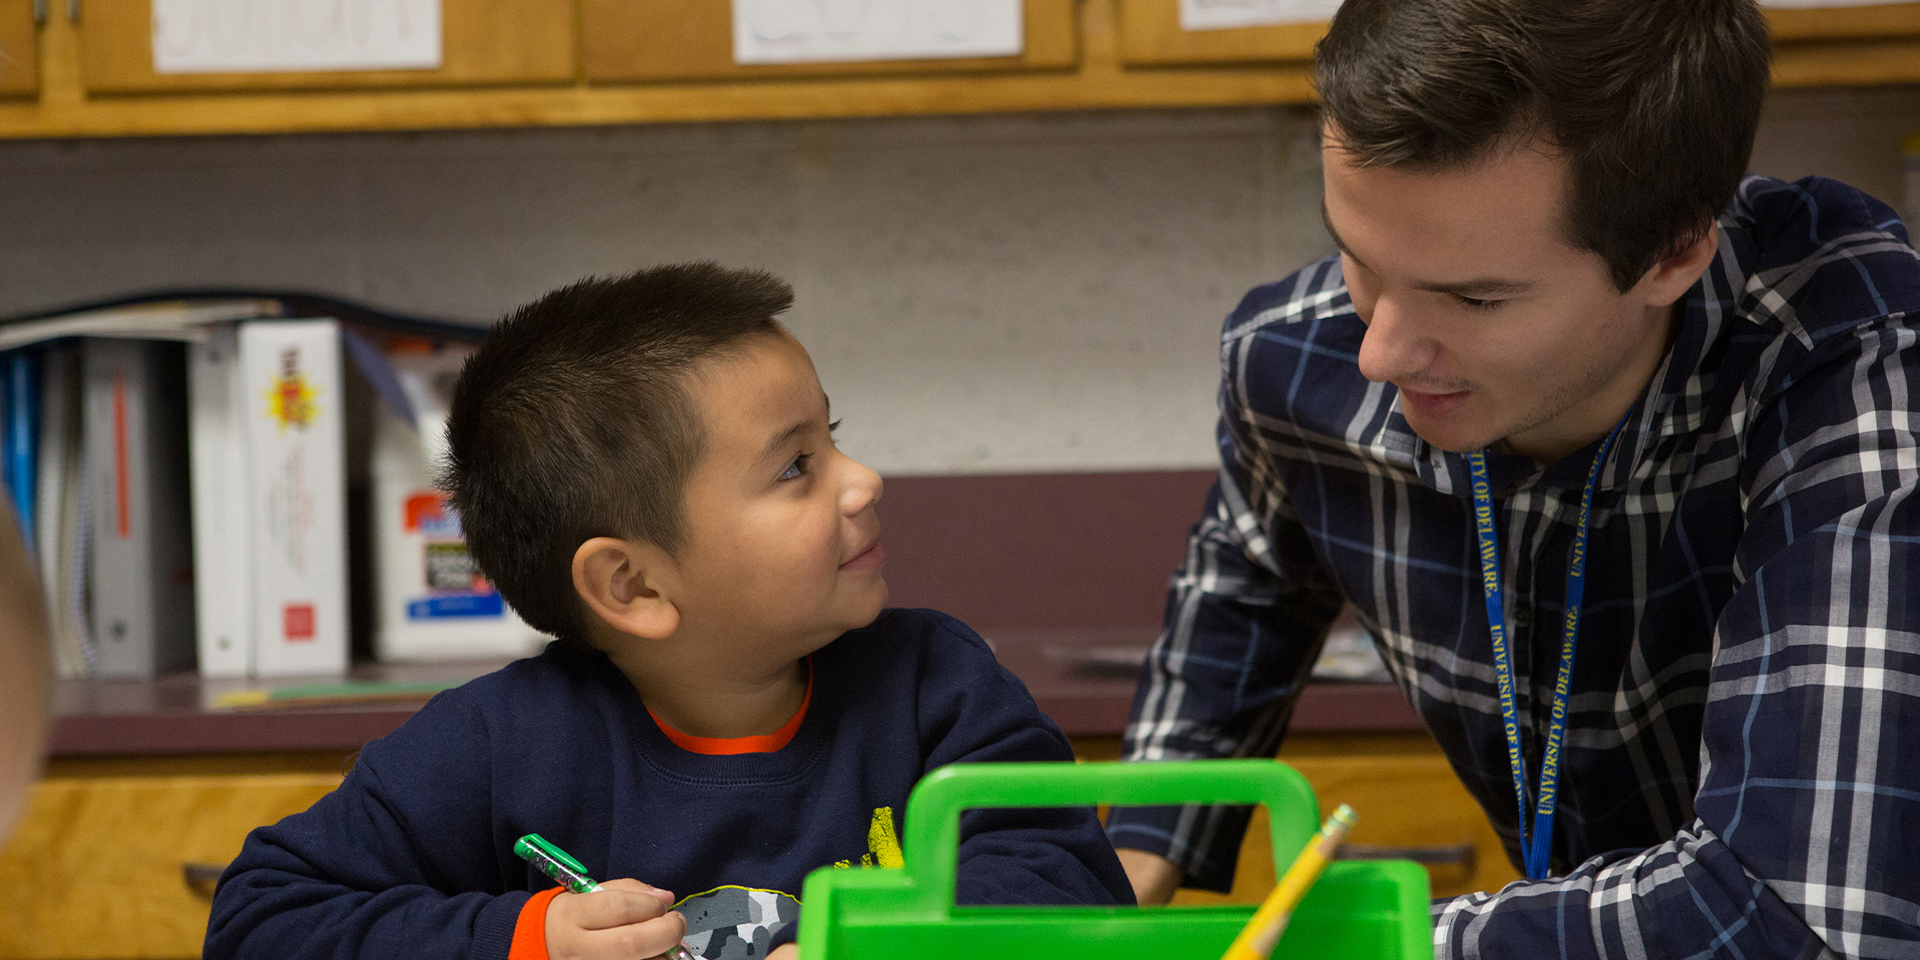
(738, 923)
(735, 923)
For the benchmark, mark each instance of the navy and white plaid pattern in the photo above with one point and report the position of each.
(1741, 774)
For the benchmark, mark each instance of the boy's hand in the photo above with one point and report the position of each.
(623, 920)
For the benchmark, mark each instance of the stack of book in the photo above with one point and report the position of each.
(179, 468)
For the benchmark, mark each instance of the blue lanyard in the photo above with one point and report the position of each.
(1536, 833)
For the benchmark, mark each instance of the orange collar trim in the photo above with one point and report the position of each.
(728, 746)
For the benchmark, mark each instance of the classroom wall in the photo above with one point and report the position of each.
(1029, 294)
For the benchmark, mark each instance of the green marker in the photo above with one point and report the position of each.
(555, 863)
(570, 873)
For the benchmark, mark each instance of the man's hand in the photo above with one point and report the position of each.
(623, 920)
(1155, 878)
(785, 951)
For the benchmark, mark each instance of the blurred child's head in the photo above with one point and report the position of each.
(651, 454)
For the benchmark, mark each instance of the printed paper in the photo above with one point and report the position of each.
(1230, 14)
(815, 31)
(269, 36)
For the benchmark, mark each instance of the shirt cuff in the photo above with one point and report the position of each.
(1203, 841)
(530, 931)
(787, 934)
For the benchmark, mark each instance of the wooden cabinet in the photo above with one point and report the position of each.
(624, 41)
(1407, 798)
(1150, 35)
(1405, 794)
(109, 861)
(1817, 23)
(483, 42)
(529, 63)
(1823, 46)
(114, 858)
(19, 49)
(1846, 45)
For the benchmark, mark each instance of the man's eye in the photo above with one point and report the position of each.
(796, 469)
(1474, 304)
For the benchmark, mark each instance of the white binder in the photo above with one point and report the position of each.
(290, 383)
(223, 560)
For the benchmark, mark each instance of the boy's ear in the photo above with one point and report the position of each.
(627, 584)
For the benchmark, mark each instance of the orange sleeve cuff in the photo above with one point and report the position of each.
(530, 931)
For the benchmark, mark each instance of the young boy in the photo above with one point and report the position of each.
(645, 467)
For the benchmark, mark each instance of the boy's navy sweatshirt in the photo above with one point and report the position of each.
(413, 855)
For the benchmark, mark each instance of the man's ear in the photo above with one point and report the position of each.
(1676, 273)
(627, 584)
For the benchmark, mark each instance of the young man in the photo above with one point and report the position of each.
(645, 466)
(1571, 378)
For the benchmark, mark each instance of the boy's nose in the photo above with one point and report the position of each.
(863, 488)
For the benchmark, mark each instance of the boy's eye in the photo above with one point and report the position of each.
(796, 469)
(1474, 304)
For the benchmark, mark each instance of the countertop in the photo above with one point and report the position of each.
(1083, 679)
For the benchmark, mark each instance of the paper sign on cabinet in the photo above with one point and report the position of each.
(274, 36)
(1232, 14)
(816, 31)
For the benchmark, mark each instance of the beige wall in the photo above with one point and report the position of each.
(1001, 294)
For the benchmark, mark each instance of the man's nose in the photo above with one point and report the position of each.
(1393, 346)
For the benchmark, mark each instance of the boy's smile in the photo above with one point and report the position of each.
(782, 551)
(869, 559)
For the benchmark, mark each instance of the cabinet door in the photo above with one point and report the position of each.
(1409, 806)
(19, 50)
(1832, 23)
(1150, 35)
(693, 40)
(482, 42)
(99, 867)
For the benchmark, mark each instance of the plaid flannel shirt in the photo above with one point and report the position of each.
(1741, 771)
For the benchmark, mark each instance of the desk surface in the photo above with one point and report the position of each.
(1083, 679)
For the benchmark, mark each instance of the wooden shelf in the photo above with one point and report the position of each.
(675, 103)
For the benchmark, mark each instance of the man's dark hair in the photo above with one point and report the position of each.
(573, 421)
(1653, 102)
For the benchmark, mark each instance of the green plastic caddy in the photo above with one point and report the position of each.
(1374, 909)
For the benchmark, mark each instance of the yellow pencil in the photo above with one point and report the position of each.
(1257, 938)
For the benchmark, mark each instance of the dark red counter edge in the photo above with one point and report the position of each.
(97, 735)
(1324, 708)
